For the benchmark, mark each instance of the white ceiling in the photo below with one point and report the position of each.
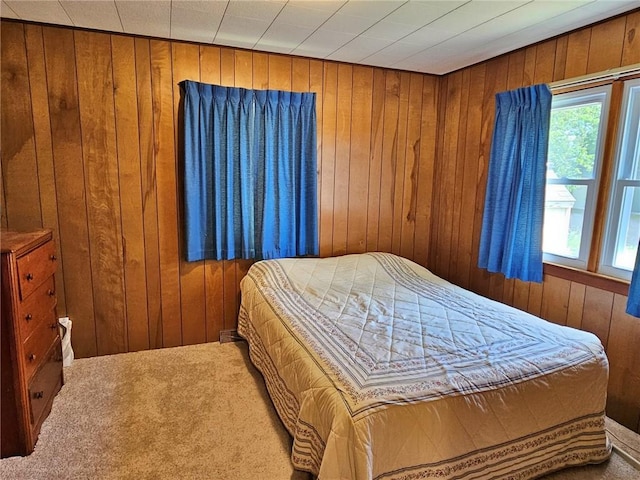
(418, 35)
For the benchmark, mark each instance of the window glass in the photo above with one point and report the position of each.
(573, 138)
(623, 225)
(576, 138)
(628, 231)
(564, 219)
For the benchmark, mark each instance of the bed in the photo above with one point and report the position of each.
(381, 370)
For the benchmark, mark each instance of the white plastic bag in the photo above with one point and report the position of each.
(67, 350)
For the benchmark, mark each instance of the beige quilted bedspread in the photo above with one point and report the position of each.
(381, 370)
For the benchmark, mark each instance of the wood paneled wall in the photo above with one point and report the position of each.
(91, 147)
(465, 129)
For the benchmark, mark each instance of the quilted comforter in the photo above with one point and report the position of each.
(381, 370)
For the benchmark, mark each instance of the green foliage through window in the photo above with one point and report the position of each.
(573, 138)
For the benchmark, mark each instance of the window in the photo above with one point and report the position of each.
(576, 165)
(576, 140)
(623, 226)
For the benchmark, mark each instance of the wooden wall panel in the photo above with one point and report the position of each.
(149, 191)
(412, 164)
(19, 164)
(328, 166)
(445, 173)
(631, 47)
(131, 205)
(576, 305)
(577, 54)
(545, 62)
(343, 159)
(162, 86)
(555, 299)
(624, 383)
(361, 108)
(468, 177)
(458, 174)
(98, 137)
(186, 66)
(428, 137)
(456, 213)
(375, 159)
(400, 162)
(607, 41)
(44, 151)
(66, 139)
(4, 223)
(389, 160)
(560, 63)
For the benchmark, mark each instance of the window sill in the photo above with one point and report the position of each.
(591, 279)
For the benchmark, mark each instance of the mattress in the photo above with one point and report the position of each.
(381, 370)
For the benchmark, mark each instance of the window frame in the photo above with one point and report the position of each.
(623, 140)
(592, 274)
(571, 99)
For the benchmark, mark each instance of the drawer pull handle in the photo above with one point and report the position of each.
(38, 395)
(29, 277)
(32, 357)
(28, 317)
(53, 326)
(51, 293)
(53, 258)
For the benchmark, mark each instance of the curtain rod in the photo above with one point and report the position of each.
(611, 74)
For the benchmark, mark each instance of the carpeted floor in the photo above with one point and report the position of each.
(197, 412)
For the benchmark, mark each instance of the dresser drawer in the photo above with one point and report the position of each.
(37, 345)
(37, 308)
(36, 267)
(45, 384)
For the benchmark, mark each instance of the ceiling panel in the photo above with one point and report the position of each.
(102, 15)
(394, 53)
(323, 5)
(389, 31)
(151, 18)
(297, 14)
(40, 11)
(196, 21)
(376, 10)
(240, 31)
(341, 22)
(472, 14)
(419, 14)
(358, 49)
(283, 38)
(260, 10)
(322, 43)
(7, 12)
(431, 36)
(531, 13)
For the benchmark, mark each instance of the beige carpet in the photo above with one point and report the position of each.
(198, 412)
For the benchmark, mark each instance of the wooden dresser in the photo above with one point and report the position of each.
(30, 351)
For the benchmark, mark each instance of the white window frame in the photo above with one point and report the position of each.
(627, 147)
(571, 99)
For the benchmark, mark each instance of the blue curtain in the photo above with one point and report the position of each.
(249, 174)
(633, 303)
(511, 238)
